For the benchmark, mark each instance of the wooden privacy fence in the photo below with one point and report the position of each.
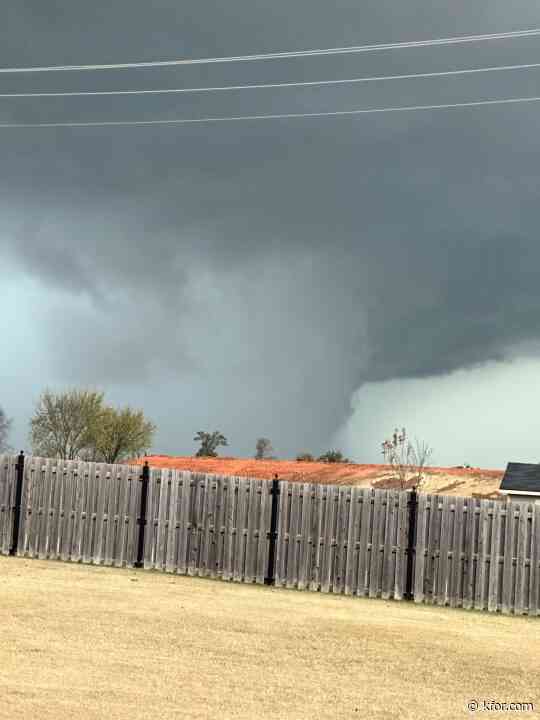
(462, 552)
(482, 554)
(127, 515)
(342, 539)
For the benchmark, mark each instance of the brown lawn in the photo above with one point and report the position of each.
(96, 643)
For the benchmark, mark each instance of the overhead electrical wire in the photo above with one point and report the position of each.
(266, 56)
(281, 55)
(186, 121)
(259, 86)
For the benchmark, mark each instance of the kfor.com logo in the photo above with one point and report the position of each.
(495, 706)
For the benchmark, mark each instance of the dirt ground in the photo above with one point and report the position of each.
(445, 481)
(89, 642)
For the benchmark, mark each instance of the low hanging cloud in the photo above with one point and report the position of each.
(250, 277)
(479, 416)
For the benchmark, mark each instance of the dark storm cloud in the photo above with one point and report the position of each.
(282, 263)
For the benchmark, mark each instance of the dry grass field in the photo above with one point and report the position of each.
(95, 643)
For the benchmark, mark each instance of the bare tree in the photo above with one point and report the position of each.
(63, 423)
(5, 427)
(421, 455)
(407, 460)
(76, 425)
(263, 449)
(119, 435)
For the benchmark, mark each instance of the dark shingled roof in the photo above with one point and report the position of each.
(524, 477)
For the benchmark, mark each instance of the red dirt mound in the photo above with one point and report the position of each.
(450, 481)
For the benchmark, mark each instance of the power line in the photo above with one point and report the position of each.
(186, 121)
(281, 55)
(313, 83)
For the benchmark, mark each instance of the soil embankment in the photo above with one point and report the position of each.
(445, 481)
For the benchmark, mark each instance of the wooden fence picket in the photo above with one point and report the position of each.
(252, 512)
(421, 551)
(264, 531)
(29, 515)
(401, 548)
(534, 592)
(508, 564)
(332, 498)
(494, 561)
(7, 495)
(228, 524)
(89, 470)
(352, 553)
(519, 592)
(471, 549)
(363, 552)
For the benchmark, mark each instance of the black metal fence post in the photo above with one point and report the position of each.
(274, 492)
(17, 505)
(142, 514)
(411, 539)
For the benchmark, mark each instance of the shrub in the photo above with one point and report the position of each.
(333, 456)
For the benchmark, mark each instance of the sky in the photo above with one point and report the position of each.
(317, 281)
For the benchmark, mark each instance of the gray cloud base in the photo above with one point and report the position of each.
(264, 271)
